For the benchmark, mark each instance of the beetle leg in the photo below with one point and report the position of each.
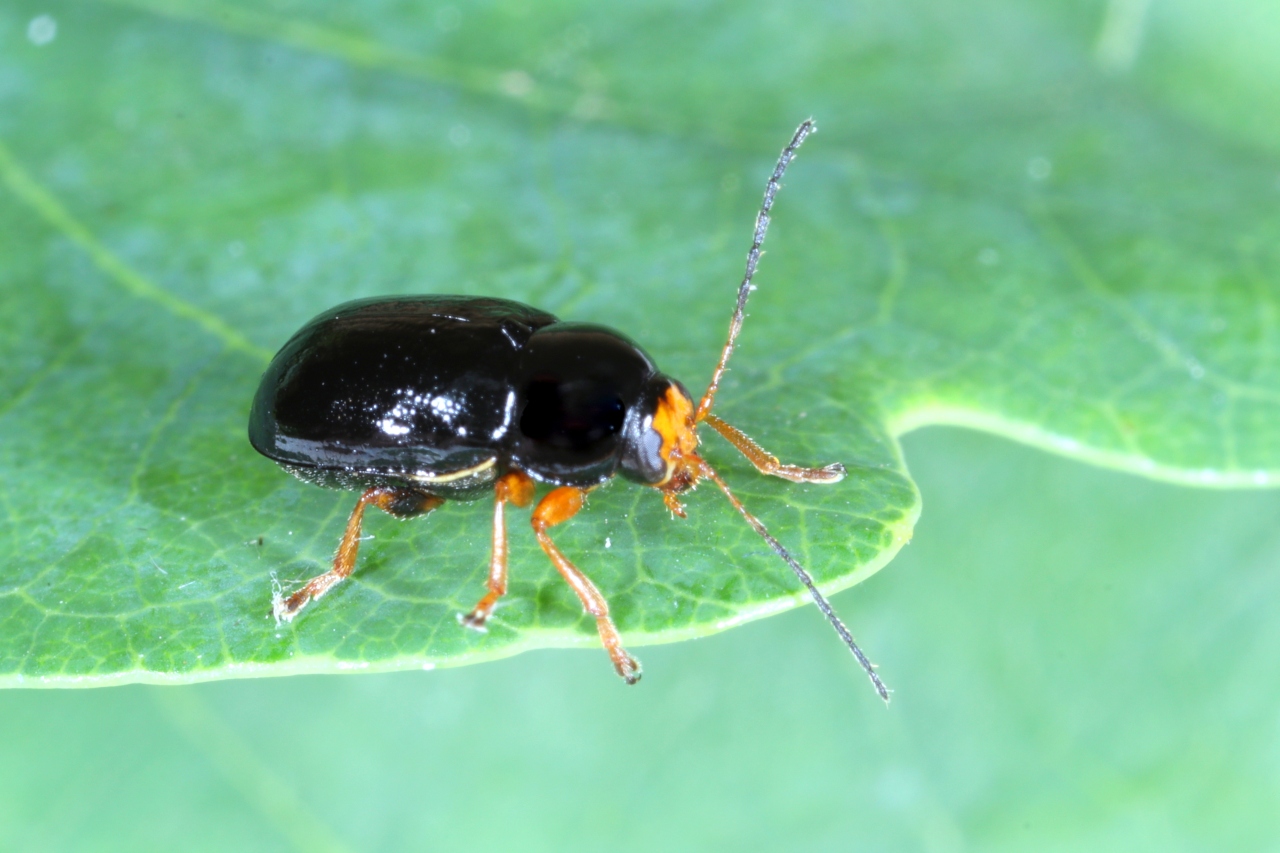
(559, 506)
(401, 503)
(514, 487)
(767, 463)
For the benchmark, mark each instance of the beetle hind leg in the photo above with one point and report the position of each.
(559, 506)
(514, 487)
(401, 503)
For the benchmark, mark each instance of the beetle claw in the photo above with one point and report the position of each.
(629, 668)
(284, 609)
(475, 621)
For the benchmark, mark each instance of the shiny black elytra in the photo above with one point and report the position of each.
(452, 391)
(416, 400)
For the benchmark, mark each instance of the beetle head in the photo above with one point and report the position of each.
(659, 446)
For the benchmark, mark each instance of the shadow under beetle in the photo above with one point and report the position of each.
(421, 399)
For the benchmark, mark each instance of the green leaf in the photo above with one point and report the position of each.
(1005, 223)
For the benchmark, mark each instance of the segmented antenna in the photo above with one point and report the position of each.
(753, 258)
(805, 578)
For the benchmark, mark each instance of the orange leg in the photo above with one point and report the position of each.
(767, 463)
(401, 503)
(516, 488)
(558, 506)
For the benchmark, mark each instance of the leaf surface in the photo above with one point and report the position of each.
(1004, 223)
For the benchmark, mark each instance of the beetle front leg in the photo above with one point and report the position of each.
(401, 503)
(559, 506)
(516, 488)
(767, 463)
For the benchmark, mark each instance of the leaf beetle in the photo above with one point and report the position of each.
(418, 400)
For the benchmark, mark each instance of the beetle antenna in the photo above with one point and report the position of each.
(753, 258)
(805, 578)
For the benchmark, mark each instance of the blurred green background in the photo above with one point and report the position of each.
(1081, 658)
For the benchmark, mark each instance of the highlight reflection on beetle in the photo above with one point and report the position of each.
(417, 400)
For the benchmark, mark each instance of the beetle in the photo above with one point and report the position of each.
(418, 400)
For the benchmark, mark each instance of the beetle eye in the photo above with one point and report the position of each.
(641, 458)
(650, 453)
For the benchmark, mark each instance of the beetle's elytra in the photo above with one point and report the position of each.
(416, 400)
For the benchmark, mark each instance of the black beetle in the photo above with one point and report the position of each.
(421, 399)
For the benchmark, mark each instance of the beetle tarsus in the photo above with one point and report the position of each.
(766, 463)
(284, 609)
(629, 669)
(476, 620)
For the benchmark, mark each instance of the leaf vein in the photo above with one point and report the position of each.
(47, 206)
